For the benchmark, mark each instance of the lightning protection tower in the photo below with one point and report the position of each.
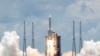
(33, 45)
(24, 42)
(74, 43)
(80, 39)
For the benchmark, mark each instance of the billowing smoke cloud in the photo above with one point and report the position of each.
(9, 46)
(67, 54)
(90, 48)
(33, 52)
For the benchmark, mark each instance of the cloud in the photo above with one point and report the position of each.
(92, 32)
(84, 9)
(13, 13)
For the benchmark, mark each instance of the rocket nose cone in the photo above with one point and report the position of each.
(49, 16)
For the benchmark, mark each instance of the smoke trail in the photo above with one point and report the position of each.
(9, 46)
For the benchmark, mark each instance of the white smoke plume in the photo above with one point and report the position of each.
(9, 46)
(33, 52)
(90, 48)
(67, 53)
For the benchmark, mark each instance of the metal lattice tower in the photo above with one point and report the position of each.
(24, 42)
(80, 39)
(33, 46)
(74, 43)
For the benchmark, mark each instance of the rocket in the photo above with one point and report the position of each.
(52, 42)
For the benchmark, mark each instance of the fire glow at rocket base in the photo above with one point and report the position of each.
(53, 45)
